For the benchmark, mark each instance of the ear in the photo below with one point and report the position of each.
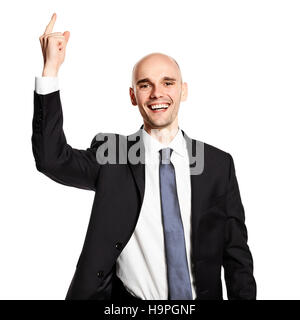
(132, 97)
(184, 92)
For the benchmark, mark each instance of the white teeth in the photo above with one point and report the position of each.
(158, 106)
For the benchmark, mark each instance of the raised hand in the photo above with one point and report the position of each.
(53, 48)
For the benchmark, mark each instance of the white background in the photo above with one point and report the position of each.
(241, 62)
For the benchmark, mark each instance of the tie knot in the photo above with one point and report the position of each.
(165, 155)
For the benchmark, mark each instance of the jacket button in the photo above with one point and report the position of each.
(100, 274)
(119, 245)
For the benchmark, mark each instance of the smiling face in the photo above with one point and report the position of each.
(157, 89)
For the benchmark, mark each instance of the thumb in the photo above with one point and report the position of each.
(66, 34)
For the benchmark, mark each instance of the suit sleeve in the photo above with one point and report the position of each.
(237, 258)
(54, 157)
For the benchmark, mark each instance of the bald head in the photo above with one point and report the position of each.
(157, 60)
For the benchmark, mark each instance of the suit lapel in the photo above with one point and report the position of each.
(138, 169)
(196, 159)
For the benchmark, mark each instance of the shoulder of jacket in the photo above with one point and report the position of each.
(217, 155)
(215, 150)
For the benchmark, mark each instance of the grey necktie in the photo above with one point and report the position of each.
(179, 284)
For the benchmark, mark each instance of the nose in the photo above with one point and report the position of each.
(156, 92)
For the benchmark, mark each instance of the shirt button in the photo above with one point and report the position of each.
(100, 274)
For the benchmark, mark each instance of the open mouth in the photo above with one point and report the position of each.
(159, 107)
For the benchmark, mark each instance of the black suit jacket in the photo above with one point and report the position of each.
(218, 231)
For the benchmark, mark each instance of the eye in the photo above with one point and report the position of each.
(144, 85)
(169, 83)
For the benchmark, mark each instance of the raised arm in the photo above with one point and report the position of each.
(53, 155)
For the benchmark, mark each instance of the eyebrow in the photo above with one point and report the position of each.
(148, 80)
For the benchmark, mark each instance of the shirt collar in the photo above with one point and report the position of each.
(152, 145)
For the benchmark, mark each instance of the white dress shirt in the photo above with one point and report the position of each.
(142, 263)
(45, 85)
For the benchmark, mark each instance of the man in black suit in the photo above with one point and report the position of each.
(167, 212)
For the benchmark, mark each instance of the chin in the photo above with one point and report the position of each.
(159, 124)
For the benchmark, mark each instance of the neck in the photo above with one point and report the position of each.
(163, 135)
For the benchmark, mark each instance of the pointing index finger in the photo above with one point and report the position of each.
(49, 27)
